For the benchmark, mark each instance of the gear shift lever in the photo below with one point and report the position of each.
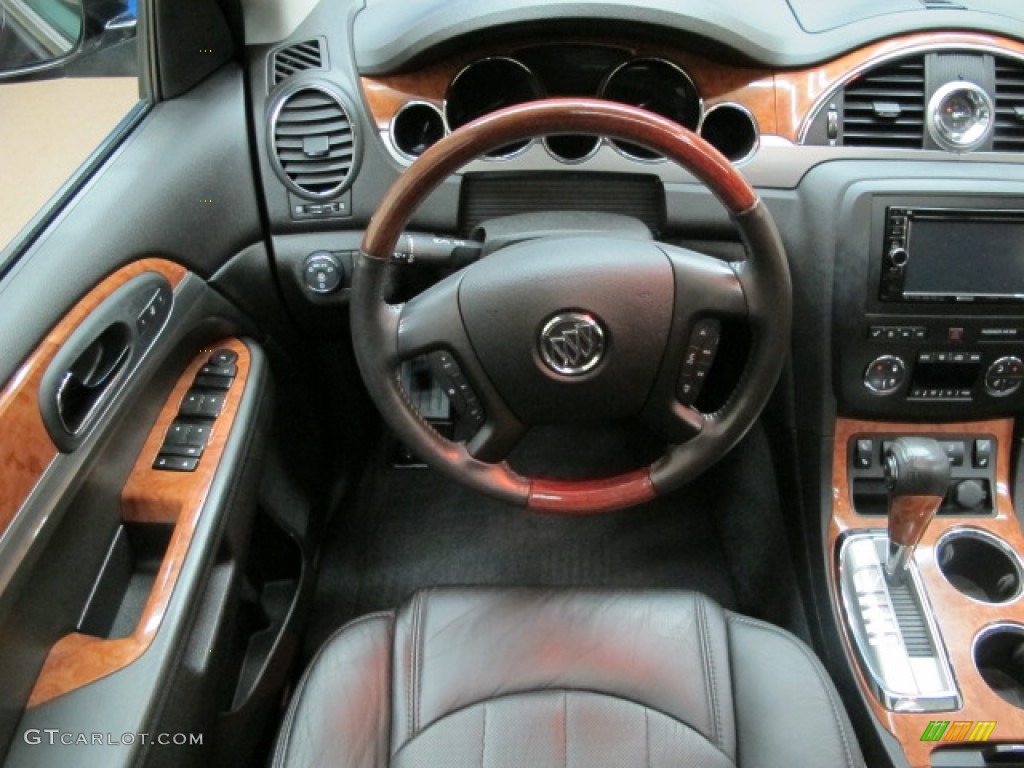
(917, 475)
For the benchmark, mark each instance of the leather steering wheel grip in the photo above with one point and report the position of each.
(764, 277)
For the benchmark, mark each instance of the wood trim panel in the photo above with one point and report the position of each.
(781, 101)
(752, 87)
(797, 92)
(959, 618)
(26, 449)
(584, 497)
(150, 496)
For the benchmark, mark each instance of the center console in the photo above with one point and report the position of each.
(938, 328)
(928, 341)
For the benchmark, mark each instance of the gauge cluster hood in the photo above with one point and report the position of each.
(389, 34)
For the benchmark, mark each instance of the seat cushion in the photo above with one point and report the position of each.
(539, 677)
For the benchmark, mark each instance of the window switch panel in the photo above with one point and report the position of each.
(176, 463)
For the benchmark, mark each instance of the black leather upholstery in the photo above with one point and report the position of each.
(529, 677)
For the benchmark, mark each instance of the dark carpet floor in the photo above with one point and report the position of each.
(407, 528)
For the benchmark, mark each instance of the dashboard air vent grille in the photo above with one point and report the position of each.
(1009, 128)
(314, 143)
(884, 107)
(296, 58)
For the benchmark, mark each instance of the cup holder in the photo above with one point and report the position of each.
(999, 657)
(980, 565)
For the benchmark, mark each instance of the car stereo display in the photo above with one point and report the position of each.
(953, 255)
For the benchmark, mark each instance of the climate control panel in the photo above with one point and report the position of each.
(944, 376)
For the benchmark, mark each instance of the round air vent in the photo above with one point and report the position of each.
(313, 143)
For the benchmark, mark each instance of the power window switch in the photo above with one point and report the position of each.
(175, 463)
(199, 435)
(223, 357)
(213, 404)
(178, 434)
(219, 370)
(192, 403)
(213, 382)
(983, 453)
(187, 451)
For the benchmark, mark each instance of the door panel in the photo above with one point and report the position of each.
(26, 448)
(129, 601)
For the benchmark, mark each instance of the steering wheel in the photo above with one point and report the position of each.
(575, 328)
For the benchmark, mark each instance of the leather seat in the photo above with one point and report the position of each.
(537, 677)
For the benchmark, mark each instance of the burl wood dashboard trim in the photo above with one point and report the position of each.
(959, 618)
(781, 101)
(717, 84)
(150, 496)
(799, 92)
(26, 449)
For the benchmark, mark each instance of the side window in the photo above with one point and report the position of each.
(68, 76)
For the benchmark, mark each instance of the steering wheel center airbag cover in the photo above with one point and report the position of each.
(528, 307)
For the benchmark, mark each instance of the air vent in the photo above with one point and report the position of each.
(300, 57)
(1009, 130)
(884, 107)
(314, 144)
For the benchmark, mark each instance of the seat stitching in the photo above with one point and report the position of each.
(565, 730)
(283, 744)
(711, 671)
(818, 670)
(413, 706)
(587, 691)
(483, 749)
(647, 737)
(708, 685)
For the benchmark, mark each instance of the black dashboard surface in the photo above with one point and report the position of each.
(389, 34)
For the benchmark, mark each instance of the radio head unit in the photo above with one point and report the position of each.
(945, 255)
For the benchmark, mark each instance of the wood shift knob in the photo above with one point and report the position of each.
(917, 474)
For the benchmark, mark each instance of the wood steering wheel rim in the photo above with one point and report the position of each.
(765, 279)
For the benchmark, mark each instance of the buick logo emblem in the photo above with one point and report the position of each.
(572, 343)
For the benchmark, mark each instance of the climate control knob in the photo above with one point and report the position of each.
(1004, 376)
(885, 375)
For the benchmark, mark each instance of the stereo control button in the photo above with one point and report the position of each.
(885, 375)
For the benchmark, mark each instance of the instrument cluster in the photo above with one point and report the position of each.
(494, 82)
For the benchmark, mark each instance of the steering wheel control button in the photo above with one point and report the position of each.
(572, 343)
(453, 383)
(885, 375)
(1004, 376)
(698, 359)
(323, 272)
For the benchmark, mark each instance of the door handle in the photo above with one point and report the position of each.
(96, 361)
(83, 385)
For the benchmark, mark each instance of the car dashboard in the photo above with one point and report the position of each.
(885, 140)
(168, 531)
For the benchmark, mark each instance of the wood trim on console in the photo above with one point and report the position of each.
(150, 496)
(797, 92)
(959, 618)
(26, 449)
